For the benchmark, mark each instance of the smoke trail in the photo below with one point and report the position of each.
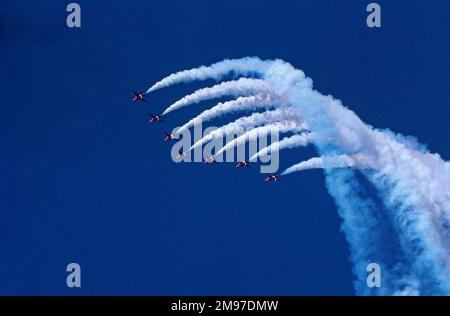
(253, 102)
(244, 66)
(241, 87)
(274, 128)
(411, 183)
(324, 162)
(287, 142)
(247, 122)
(404, 226)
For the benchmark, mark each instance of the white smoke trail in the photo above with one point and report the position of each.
(274, 128)
(240, 87)
(276, 69)
(329, 162)
(287, 142)
(412, 182)
(244, 66)
(413, 211)
(247, 122)
(253, 102)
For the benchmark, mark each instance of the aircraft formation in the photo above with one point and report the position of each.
(153, 118)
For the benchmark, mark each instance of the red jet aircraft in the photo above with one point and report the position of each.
(271, 178)
(169, 137)
(244, 163)
(139, 96)
(181, 153)
(209, 160)
(155, 118)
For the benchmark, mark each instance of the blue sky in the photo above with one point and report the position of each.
(85, 179)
